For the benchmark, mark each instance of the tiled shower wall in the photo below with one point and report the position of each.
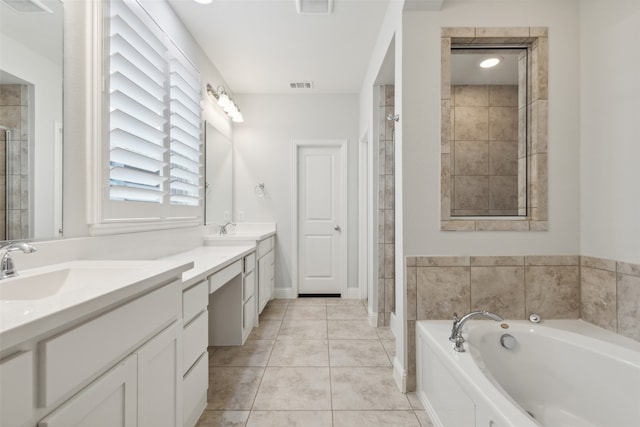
(14, 162)
(386, 208)
(484, 149)
(599, 291)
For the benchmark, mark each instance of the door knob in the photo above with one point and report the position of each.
(337, 228)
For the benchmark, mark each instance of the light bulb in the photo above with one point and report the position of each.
(489, 62)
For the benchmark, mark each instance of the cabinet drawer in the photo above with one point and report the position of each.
(248, 285)
(66, 361)
(16, 389)
(219, 279)
(195, 385)
(195, 340)
(194, 300)
(249, 263)
(264, 246)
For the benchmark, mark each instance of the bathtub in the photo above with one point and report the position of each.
(558, 373)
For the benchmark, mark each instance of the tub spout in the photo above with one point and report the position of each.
(456, 331)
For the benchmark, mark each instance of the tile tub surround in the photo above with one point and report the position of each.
(603, 292)
(329, 369)
(386, 207)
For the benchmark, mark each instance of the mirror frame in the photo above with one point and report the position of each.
(536, 40)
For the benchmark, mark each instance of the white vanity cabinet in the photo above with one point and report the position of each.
(266, 271)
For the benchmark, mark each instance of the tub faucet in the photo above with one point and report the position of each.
(456, 330)
(223, 228)
(7, 267)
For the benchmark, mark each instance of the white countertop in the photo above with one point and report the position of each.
(242, 232)
(209, 259)
(96, 286)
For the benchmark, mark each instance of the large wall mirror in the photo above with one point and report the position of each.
(218, 176)
(494, 144)
(31, 75)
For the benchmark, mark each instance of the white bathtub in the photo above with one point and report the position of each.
(561, 373)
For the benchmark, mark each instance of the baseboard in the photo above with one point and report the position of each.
(399, 375)
(353, 293)
(373, 318)
(283, 293)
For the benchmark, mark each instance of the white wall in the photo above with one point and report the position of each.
(263, 153)
(610, 129)
(421, 128)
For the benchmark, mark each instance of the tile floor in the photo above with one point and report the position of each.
(311, 362)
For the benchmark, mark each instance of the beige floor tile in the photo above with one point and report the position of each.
(351, 329)
(344, 301)
(252, 353)
(223, 419)
(273, 312)
(365, 389)
(390, 348)
(268, 330)
(233, 389)
(357, 353)
(303, 329)
(307, 301)
(300, 353)
(375, 419)
(384, 332)
(414, 401)
(306, 312)
(277, 301)
(424, 419)
(290, 419)
(346, 312)
(294, 389)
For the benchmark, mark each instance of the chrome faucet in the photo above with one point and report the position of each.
(456, 330)
(7, 266)
(223, 228)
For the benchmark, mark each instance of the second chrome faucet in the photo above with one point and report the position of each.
(458, 323)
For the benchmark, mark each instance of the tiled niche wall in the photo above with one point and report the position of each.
(386, 207)
(603, 292)
(14, 162)
(485, 150)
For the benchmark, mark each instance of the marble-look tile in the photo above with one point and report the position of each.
(346, 312)
(498, 289)
(10, 95)
(273, 312)
(503, 158)
(414, 401)
(267, 330)
(445, 68)
(294, 389)
(412, 292)
(290, 419)
(381, 260)
(552, 260)
(457, 225)
(389, 295)
(389, 261)
(553, 291)
(381, 294)
(351, 329)
(382, 154)
(598, 297)
(357, 353)
(344, 301)
(503, 123)
(446, 126)
(11, 117)
(629, 306)
(385, 333)
(223, 419)
(599, 263)
(381, 219)
(471, 123)
(411, 261)
(365, 389)
(503, 95)
(307, 301)
(468, 32)
(628, 268)
(470, 96)
(471, 158)
(502, 32)
(503, 192)
(442, 261)
(389, 192)
(543, 68)
(252, 353)
(233, 389)
(411, 355)
(303, 329)
(389, 226)
(443, 291)
(389, 95)
(496, 261)
(502, 225)
(423, 418)
(389, 150)
(300, 353)
(280, 301)
(306, 312)
(471, 192)
(390, 348)
(375, 418)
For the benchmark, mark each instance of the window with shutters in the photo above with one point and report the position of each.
(151, 122)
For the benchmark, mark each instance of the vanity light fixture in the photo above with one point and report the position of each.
(490, 62)
(226, 103)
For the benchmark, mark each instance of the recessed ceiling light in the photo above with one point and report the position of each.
(203, 1)
(490, 62)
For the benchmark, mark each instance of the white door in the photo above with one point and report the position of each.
(321, 219)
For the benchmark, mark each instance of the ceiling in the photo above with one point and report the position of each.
(259, 46)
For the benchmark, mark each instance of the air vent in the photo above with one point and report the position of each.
(301, 85)
(26, 6)
(314, 6)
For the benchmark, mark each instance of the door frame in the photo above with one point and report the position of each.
(296, 145)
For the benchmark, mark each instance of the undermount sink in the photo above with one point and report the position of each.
(47, 284)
